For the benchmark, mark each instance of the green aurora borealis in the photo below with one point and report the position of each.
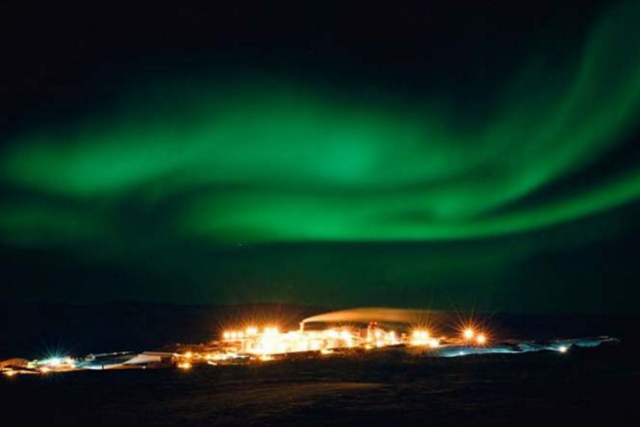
(258, 188)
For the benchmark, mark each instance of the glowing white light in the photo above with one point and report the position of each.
(270, 341)
(420, 337)
(563, 349)
(271, 332)
(54, 362)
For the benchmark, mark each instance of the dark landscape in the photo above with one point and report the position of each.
(383, 387)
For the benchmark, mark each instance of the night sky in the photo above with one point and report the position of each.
(468, 155)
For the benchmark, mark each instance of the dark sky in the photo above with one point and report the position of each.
(468, 155)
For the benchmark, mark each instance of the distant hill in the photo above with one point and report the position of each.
(32, 330)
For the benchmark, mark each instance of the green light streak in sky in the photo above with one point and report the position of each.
(262, 162)
(30, 224)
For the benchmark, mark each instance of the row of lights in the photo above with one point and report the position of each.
(470, 335)
(423, 337)
(248, 332)
(418, 337)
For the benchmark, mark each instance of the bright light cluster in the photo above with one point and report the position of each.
(184, 365)
(56, 363)
(271, 341)
(377, 337)
(422, 337)
(471, 336)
